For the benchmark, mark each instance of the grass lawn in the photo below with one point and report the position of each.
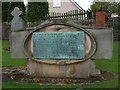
(6, 57)
(109, 65)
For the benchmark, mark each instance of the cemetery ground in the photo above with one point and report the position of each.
(104, 65)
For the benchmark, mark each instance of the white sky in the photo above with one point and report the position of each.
(25, 1)
(85, 4)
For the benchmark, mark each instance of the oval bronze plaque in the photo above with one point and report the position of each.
(89, 42)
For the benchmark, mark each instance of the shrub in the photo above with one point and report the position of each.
(8, 7)
(37, 11)
(116, 29)
(12, 5)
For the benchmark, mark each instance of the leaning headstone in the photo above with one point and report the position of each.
(17, 22)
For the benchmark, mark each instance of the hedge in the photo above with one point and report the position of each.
(8, 7)
(116, 29)
(37, 11)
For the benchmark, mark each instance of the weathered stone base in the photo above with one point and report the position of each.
(72, 70)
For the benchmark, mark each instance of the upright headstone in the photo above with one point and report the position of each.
(17, 22)
(17, 34)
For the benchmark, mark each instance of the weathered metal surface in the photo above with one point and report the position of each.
(58, 45)
(104, 41)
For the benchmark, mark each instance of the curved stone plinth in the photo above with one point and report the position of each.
(62, 69)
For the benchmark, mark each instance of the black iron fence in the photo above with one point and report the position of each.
(80, 16)
(83, 17)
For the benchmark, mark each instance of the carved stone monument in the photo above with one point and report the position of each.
(61, 48)
(17, 23)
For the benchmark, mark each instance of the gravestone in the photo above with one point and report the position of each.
(17, 22)
(60, 48)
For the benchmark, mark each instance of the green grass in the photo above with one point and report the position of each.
(6, 57)
(110, 65)
(102, 64)
(103, 84)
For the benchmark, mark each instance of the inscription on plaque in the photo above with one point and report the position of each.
(58, 45)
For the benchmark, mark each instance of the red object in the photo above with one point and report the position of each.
(100, 18)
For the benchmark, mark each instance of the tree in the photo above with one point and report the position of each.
(4, 11)
(109, 7)
(37, 11)
(99, 6)
(8, 7)
(113, 7)
(11, 7)
(119, 8)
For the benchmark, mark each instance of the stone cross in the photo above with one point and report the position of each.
(17, 22)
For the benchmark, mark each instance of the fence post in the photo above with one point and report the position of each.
(100, 19)
(73, 14)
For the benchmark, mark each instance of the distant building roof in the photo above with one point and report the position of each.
(114, 15)
(74, 2)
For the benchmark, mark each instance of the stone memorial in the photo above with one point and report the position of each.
(61, 48)
(17, 22)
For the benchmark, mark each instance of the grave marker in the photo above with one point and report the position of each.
(66, 52)
(17, 22)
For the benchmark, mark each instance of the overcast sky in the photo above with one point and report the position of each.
(85, 4)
